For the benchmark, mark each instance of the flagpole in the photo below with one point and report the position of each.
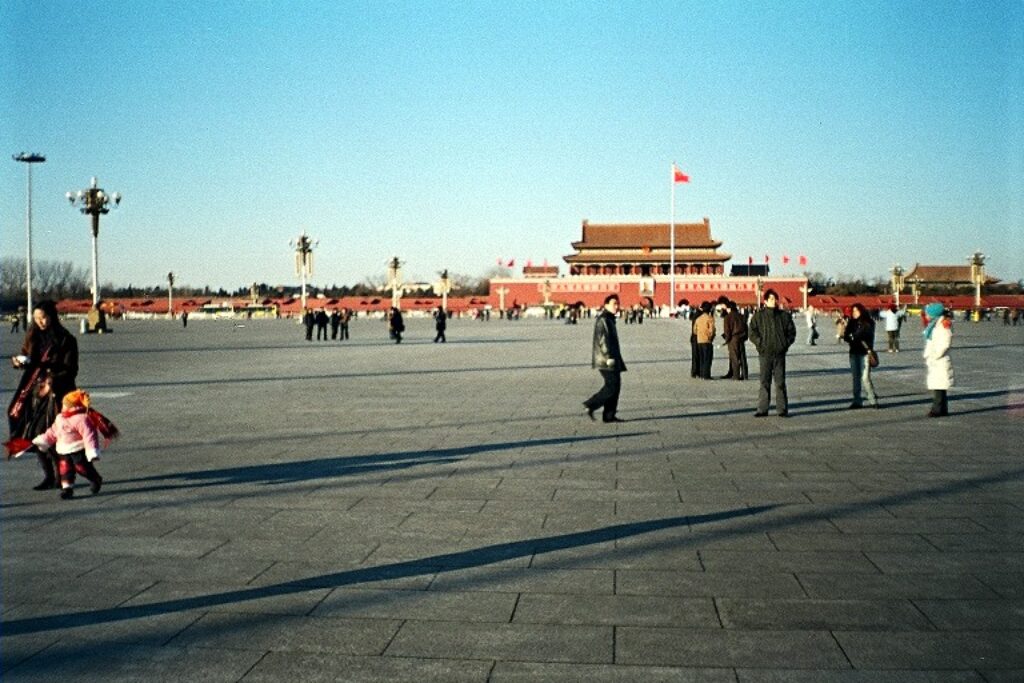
(672, 244)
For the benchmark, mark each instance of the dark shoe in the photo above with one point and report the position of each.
(932, 413)
(66, 494)
(760, 414)
(45, 485)
(855, 406)
(94, 486)
(590, 412)
(612, 419)
(784, 413)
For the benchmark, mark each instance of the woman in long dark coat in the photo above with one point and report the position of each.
(49, 358)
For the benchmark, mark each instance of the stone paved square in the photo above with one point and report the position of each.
(284, 510)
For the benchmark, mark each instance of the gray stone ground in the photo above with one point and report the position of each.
(281, 510)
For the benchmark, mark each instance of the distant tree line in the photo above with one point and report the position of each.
(64, 280)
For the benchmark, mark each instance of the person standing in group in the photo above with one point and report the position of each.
(606, 357)
(860, 335)
(704, 328)
(184, 318)
(335, 321)
(440, 324)
(811, 318)
(893, 320)
(692, 314)
(396, 326)
(321, 324)
(938, 337)
(49, 358)
(772, 332)
(735, 335)
(310, 322)
(346, 316)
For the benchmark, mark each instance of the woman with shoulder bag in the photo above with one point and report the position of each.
(860, 335)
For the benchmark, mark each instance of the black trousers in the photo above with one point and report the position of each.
(737, 360)
(773, 371)
(705, 354)
(694, 357)
(608, 397)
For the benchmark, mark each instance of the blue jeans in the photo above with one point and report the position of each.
(861, 372)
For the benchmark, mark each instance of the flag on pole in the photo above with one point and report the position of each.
(803, 260)
(511, 263)
(766, 259)
(678, 176)
(750, 260)
(785, 259)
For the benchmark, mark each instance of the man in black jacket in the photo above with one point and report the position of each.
(772, 332)
(607, 359)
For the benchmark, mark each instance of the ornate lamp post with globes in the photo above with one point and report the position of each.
(977, 261)
(28, 159)
(395, 282)
(94, 202)
(897, 283)
(303, 246)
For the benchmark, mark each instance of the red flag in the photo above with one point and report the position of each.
(785, 260)
(803, 260)
(678, 176)
(750, 260)
(766, 258)
(511, 262)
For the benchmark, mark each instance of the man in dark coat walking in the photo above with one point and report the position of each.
(772, 332)
(440, 324)
(309, 322)
(607, 359)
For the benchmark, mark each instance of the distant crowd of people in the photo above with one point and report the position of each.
(772, 331)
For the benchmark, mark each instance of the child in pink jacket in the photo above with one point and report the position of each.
(77, 435)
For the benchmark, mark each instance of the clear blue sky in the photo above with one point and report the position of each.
(860, 134)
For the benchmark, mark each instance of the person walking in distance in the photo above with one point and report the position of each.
(606, 358)
(772, 332)
(440, 324)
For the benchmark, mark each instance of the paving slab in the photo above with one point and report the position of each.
(283, 510)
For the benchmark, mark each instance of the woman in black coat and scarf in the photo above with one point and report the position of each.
(49, 359)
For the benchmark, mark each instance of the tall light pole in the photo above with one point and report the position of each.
(94, 202)
(897, 283)
(395, 282)
(977, 262)
(170, 295)
(28, 159)
(303, 246)
(443, 288)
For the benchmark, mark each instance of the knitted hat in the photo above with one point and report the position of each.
(76, 399)
(932, 313)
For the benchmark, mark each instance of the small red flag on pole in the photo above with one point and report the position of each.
(750, 260)
(678, 176)
(766, 259)
(785, 260)
(803, 260)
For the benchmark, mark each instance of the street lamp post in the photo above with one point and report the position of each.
(977, 262)
(94, 202)
(303, 246)
(395, 282)
(445, 286)
(897, 283)
(170, 295)
(28, 159)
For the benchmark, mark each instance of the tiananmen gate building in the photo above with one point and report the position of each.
(634, 260)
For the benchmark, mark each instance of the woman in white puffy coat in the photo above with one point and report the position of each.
(938, 337)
